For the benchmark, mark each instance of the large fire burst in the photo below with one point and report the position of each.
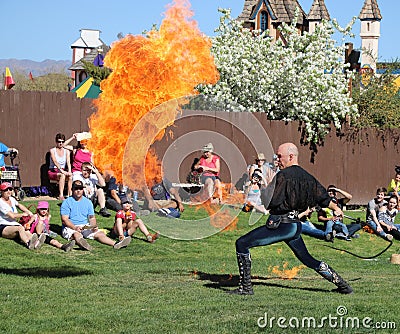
(146, 71)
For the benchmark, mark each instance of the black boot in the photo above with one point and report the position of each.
(332, 276)
(245, 287)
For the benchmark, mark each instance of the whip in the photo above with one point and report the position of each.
(358, 220)
(360, 256)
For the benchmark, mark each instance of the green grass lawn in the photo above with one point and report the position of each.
(178, 286)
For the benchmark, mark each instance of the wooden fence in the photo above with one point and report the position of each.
(357, 162)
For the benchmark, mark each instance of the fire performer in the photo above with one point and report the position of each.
(291, 191)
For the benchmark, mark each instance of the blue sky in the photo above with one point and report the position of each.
(45, 29)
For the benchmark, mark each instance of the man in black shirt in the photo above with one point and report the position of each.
(291, 191)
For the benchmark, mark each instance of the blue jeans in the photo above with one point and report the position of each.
(309, 229)
(330, 224)
(373, 226)
(290, 233)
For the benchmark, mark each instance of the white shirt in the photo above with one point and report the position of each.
(90, 183)
(5, 208)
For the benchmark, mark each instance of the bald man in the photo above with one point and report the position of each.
(291, 191)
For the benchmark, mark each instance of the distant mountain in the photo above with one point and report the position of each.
(37, 68)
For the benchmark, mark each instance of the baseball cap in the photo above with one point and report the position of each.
(43, 205)
(77, 184)
(5, 185)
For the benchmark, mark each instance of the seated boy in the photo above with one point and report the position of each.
(126, 223)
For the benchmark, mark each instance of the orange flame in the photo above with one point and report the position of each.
(287, 273)
(147, 71)
(220, 218)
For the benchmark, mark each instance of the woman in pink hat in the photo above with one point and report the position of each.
(9, 227)
(40, 224)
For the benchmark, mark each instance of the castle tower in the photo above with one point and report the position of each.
(370, 17)
(318, 12)
(269, 14)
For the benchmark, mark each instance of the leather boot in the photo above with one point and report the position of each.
(245, 287)
(332, 276)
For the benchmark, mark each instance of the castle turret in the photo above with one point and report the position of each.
(370, 17)
(269, 14)
(318, 12)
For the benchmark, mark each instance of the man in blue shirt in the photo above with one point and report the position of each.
(79, 222)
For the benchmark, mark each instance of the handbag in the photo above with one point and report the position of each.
(194, 177)
(24, 220)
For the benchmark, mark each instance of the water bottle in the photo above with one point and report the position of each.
(135, 195)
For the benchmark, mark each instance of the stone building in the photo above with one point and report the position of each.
(269, 14)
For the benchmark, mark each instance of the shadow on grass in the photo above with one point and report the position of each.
(59, 272)
(224, 281)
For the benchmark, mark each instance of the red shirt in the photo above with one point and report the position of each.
(124, 215)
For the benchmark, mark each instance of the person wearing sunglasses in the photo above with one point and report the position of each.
(79, 222)
(9, 216)
(60, 166)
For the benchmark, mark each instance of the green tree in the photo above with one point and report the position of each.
(97, 73)
(51, 82)
(378, 99)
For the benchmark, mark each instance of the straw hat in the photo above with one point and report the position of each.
(395, 259)
(260, 156)
(208, 148)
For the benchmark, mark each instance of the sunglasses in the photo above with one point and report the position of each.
(60, 141)
(78, 188)
(43, 209)
(8, 189)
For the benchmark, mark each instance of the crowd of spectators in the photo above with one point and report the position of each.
(82, 187)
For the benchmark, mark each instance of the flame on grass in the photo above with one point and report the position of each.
(285, 272)
(147, 71)
(222, 217)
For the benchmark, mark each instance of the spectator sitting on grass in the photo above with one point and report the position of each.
(9, 227)
(93, 182)
(162, 195)
(394, 185)
(386, 216)
(373, 208)
(40, 224)
(331, 222)
(115, 193)
(253, 193)
(308, 228)
(79, 222)
(126, 223)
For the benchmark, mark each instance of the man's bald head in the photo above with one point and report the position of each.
(287, 155)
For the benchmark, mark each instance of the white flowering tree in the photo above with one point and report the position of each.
(301, 80)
